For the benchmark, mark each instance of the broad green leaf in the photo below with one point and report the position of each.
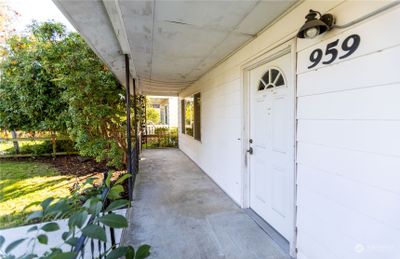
(56, 250)
(78, 219)
(2, 240)
(123, 178)
(117, 253)
(34, 215)
(49, 227)
(94, 231)
(45, 204)
(14, 244)
(108, 179)
(94, 205)
(114, 221)
(58, 208)
(117, 205)
(72, 241)
(43, 239)
(65, 235)
(130, 254)
(34, 228)
(66, 255)
(143, 252)
(115, 191)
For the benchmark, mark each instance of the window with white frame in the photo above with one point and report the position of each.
(190, 114)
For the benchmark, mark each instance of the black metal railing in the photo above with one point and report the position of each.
(82, 243)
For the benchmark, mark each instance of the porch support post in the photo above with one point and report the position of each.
(136, 128)
(145, 118)
(128, 126)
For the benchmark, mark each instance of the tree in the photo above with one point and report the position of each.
(30, 99)
(52, 81)
(96, 102)
(152, 114)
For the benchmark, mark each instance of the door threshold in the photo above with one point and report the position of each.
(269, 230)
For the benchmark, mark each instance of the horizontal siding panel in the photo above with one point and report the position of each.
(325, 235)
(370, 169)
(361, 72)
(375, 103)
(351, 235)
(379, 137)
(309, 247)
(300, 255)
(376, 35)
(350, 223)
(373, 203)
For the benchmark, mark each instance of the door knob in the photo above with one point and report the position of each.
(250, 151)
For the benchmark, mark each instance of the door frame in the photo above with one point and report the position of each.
(265, 57)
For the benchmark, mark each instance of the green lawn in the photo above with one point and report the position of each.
(22, 183)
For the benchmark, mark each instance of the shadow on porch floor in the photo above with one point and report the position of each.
(181, 213)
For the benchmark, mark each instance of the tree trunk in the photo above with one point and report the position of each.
(16, 145)
(53, 144)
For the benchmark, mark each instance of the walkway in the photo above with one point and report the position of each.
(183, 214)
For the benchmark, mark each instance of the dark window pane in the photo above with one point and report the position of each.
(265, 77)
(197, 116)
(280, 81)
(274, 74)
(270, 86)
(261, 86)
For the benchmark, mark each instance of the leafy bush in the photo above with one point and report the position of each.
(85, 219)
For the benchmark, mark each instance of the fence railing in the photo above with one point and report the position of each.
(159, 136)
(20, 150)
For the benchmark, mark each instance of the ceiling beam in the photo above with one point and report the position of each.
(115, 16)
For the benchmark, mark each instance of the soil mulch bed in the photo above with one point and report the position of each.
(77, 166)
(72, 165)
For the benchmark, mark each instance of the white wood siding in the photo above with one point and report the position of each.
(348, 149)
(348, 143)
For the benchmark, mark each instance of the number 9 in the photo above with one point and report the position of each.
(350, 48)
(315, 57)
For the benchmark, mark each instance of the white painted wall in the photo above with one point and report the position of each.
(348, 154)
(173, 111)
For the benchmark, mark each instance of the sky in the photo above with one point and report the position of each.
(39, 10)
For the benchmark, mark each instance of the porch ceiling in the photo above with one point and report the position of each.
(171, 43)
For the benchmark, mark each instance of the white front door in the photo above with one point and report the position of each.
(272, 134)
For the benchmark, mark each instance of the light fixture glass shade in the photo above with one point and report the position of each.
(321, 26)
(311, 33)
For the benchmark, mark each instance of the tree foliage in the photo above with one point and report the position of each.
(52, 81)
(152, 114)
(30, 100)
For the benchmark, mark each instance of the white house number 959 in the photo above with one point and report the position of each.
(349, 46)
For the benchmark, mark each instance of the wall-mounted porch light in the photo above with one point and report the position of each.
(314, 26)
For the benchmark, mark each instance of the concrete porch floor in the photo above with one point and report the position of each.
(182, 213)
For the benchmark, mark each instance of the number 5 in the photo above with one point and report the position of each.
(330, 50)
